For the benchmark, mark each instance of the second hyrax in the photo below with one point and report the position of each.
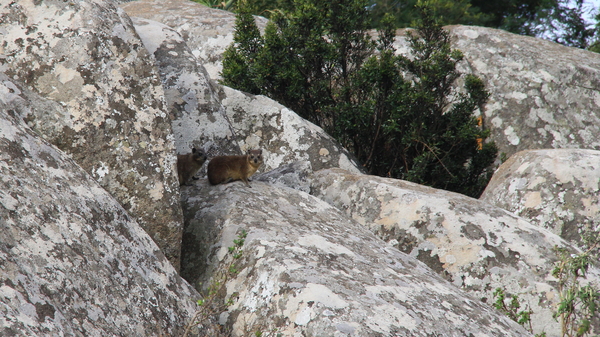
(224, 169)
(189, 164)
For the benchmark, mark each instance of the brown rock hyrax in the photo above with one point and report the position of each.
(224, 169)
(189, 164)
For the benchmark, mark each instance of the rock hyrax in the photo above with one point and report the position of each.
(224, 169)
(189, 164)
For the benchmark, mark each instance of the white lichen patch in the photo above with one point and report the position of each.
(324, 245)
(388, 316)
(512, 136)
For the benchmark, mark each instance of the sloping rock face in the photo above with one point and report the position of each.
(86, 56)
(286, 137)
(73, 262)
(225, 121)
(476, 246)
(555, 189)
(207, 31)
(192, 103)
(308, 270)
(295, 175)
(543, 95)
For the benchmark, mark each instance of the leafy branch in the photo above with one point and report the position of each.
(511, 308)
(578, 303)
(212, 303)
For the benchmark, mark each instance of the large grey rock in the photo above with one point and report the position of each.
(207, 31)
(73, 262)
(191, 100)
(308, 270)
(476, 246)
(543, 95)
(295, 175)
(285, 137)
(224, 121)
(110, 115)
(555, 189)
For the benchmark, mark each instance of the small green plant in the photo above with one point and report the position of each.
(578, 304)
(213, 303)
(512, 308)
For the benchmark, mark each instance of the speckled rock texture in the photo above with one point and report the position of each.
(73, 262)
(543, 95)
(191, 101)
(294, 175)
(285, 137)
(476, 246)
(87, 57)
(555, 189)
(309, 270)
(207, 31)
(222, 120)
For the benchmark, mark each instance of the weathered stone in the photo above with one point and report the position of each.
(555, 189)
(229, 121)
(260, 122)
(308, 270)
(207, 31)
(543, 95)
(87, 57)
(295, 175)
(192, 103)
(476, 246)
(73, 261)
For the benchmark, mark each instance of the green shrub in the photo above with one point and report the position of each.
(400, 116)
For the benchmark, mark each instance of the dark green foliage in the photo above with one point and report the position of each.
(559, 20)
(447, 12)
(395, 113)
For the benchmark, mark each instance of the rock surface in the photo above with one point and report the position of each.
(222, 120)
(285, 137)
(308, 270)
(191, 100)
(476, 246)
(543, 95)
(207, 31)
(73, 262)
(87, 57)
(295, 175)
(555, 189)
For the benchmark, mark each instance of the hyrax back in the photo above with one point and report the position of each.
(224, 169)
(189, 164)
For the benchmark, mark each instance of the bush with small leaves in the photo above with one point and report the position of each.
(213, 302)
(579, 304)
(401, 116)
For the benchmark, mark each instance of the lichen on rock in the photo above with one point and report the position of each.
(86, 57)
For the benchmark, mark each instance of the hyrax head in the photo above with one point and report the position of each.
(198, 155)
(255, 157)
